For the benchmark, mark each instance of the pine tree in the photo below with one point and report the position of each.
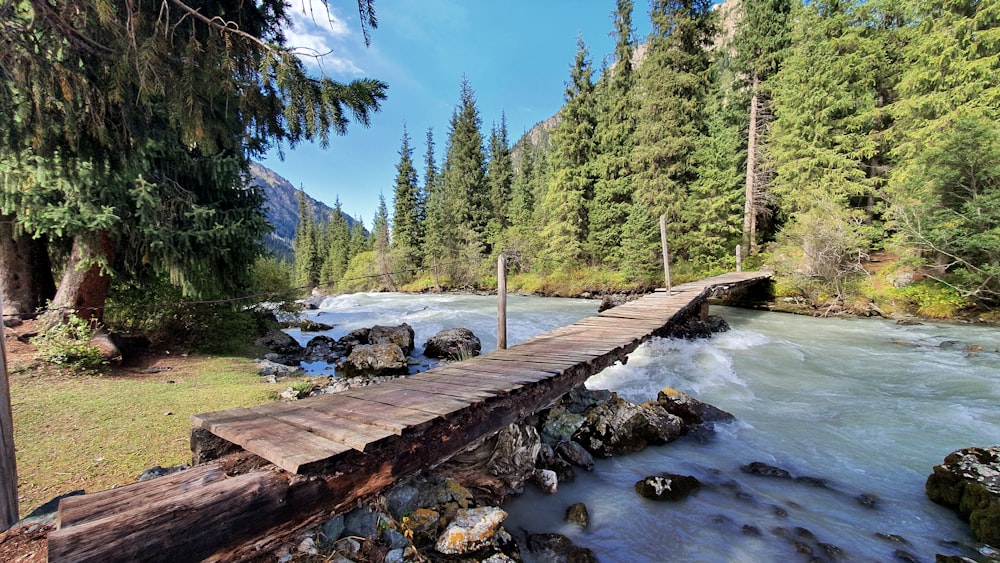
(308, 263)
(615, 129)
(464, 192)
(407, 233)
(500, 177)
(337, 244)
(762, 36)
(381, 244)
(127, 135)
(673, 83)
(717, 202)
(571, 184)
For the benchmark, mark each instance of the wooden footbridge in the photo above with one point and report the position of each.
(299, 463)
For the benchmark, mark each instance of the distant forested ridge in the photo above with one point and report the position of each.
(282, 204)
(814, 135)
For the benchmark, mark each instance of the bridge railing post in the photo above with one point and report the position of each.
(739, 259)
(666, 253)
(501, 302)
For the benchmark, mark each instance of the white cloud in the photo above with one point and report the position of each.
(319, 36)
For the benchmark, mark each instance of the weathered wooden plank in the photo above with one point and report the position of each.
(447, 388)
(356, 435)
(400, 420)
(521, 374)
(492, 383)
(286, 446)
(78, 509)
(410, 398)
(511, 376)
(181, 527)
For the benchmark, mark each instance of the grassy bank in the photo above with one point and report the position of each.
(94, 432)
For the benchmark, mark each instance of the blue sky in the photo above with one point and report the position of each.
(516, 55)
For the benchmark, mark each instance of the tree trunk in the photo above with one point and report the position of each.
(750, 206)
(84, 286)
(25, 271)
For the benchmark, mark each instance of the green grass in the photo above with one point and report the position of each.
(94, 432)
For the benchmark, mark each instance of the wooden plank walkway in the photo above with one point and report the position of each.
(314, 432)
(339, 449)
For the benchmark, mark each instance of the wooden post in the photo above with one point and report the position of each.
(666, 254)
(8, 463)
(739, 258)
(501, 302)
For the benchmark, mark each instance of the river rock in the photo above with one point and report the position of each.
(969, 482)
(309, 325)
(560, 425)
(690, 410)
(547, 481)
(280, 343)
(401, 336)
(557, 548)
(374, 360)
(322, 348)
(667, 486)
(765, 470)
(452, 343)
(578, 514)
(694, 327)
(575, 454)
(618, 427)
(471, 530)
(580, 399)
(267, 368)
(548, 459)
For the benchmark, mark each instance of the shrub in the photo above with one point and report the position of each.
(68, 344)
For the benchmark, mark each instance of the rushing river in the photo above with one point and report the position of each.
(866, 406)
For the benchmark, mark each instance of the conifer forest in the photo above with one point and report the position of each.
(821, 137)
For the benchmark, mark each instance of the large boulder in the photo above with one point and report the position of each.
(471, 530)
(969, 482)
(618, 427)
(401, 336)
(452, 344)
(667, 486)
(374, 360)
(280, 343)
(690, 410)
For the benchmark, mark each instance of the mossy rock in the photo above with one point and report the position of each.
(969, 482)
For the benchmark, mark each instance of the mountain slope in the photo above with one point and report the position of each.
(282, 208)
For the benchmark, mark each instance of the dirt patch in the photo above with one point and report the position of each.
(25, 544)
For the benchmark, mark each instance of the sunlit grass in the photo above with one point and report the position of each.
(94, 432)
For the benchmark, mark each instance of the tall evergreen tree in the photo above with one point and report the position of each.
(407, 232)
(716, 197)
(464, 192)
(762, 36)
(308, 259)
(673, 83)
(128, 134)
(500, 177)
(337, 244)
(382, 242)
(571, 183)
(615, 129)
